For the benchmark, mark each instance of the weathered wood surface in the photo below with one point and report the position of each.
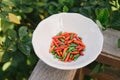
(109, 59)
(45, 72)
(110, 55)
(110, 42)
(99, 76)
(79, 74)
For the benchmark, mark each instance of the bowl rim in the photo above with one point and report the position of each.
(69, 68)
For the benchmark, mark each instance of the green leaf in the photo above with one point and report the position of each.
(6, 43)
(96, 69)
(84, 12)
(118, 43)
(119, 2)
(6, 65)
(41, 3)
(12, 48)
(61, 1)
(93, 2)
(65, 9)
(7, 2)
(25, 9)
(5, 7)
(102, 15)
(6, 57)
(24, 48)
(5, 25)
(3, 16)
(27, 39)
(115, 20)
(75, 9)
(101, 70)
(100, 25)
(17, 58)
(0, 24)
(51, 9)
(71, 2)
(11, 34)
(23, 32)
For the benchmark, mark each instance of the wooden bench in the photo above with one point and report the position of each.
(110, 55)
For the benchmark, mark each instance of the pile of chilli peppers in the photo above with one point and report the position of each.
(67, 46)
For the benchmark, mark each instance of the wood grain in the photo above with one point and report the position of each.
(45, 72)
(110, 45)
(79, 75)
(100, 76)
(109, 59)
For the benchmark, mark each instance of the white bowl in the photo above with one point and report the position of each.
(67, 22)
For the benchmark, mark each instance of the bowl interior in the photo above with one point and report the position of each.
(67, 22)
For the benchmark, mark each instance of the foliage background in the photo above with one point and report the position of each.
(19, 18)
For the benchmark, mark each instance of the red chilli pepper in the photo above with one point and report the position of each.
(77, 47)
(68, 37)
(78, 39)
(81, 53)
(58, 41)
(70, 60)
(65, 34)
(56, 37)
(75, 52)
(79, 42)
(55, 43)
(58, 53)
(81, 48)
(75, 36)
(67, 58)
(60, 48)
(70, 41)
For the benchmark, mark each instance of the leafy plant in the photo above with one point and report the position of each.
(16, 49)
(19, 18)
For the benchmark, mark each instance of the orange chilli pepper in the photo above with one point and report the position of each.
(64, 51)
(67, 57)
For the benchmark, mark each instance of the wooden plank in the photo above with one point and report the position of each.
(109, 59)
(79, 75)
(111, 53)
(110, 42)
(99, 76)
(112, 71)
(45, 72)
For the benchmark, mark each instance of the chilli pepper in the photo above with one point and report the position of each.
(67, 46)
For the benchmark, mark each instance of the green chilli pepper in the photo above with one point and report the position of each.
(71, 36)
(76, 56)
(53, 52)
(58, 57)
(71, 55)
(55, 55)
(65, 56)
(73, 45)
(71, 49)
(59, 33)
(80, 38)
(62, 40)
